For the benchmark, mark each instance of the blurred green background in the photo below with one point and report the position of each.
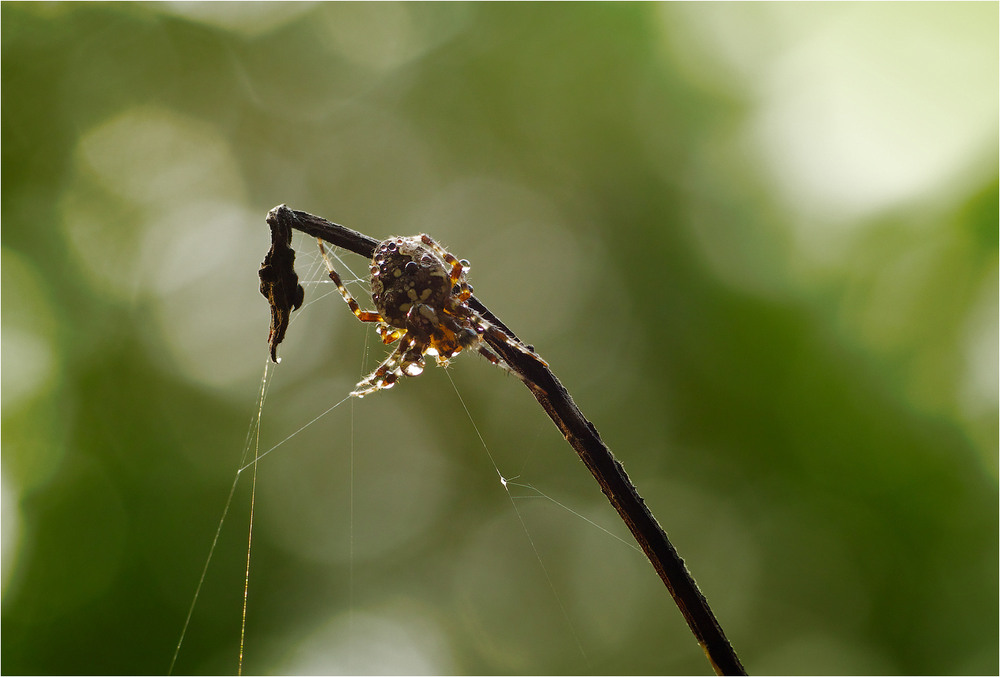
(757, 242)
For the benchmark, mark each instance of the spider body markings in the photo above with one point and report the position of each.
(420, 292)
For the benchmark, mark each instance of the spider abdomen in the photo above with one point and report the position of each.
(405, 272)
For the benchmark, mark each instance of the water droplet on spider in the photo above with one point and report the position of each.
(414, 369)
(411, 267)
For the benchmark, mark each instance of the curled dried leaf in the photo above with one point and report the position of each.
(279, 283)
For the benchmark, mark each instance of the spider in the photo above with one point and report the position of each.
(420, 292)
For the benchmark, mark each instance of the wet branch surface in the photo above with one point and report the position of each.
(279, 284)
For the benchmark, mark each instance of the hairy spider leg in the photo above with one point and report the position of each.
(363, 315)
(457, 267)
(388, 373)
(408, 357)
(388, 333)
(495, 333)
(490, 355)
(385, 376)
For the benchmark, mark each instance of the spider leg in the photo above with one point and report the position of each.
(464, 292)
(388, 333)
(492, 357)
(406, 360)
(495, 333)
(363, 315)
(384, 376)
(457, 267)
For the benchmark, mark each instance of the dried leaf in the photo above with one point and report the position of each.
(278, 281)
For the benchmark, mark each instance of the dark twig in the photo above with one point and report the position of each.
(579, 432)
